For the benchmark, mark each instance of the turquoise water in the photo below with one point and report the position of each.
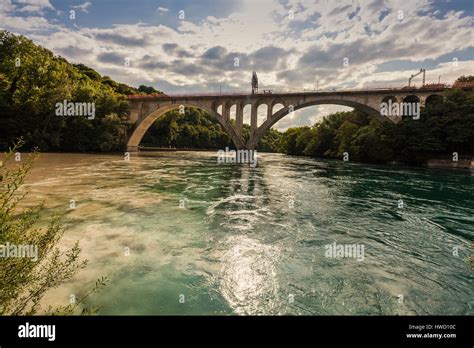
(177, 233)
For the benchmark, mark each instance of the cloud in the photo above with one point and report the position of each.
(26, 24)
(308, 116)
(6, 6)
(83, 7)
(154, 65)
(215, 53)
(33, 6)
(170, 47)
(174, 49)
(162, 10)
(268, 58)
(119, 39)
(111, 57)
(73, 51)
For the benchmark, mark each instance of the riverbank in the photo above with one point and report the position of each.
(450, 164)
(465, 163)
(172, 149)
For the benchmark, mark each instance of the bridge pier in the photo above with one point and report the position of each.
(253, 118)
(239, 118)
(226, 111)
(132, 149)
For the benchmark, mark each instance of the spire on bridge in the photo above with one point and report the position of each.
(254, 83)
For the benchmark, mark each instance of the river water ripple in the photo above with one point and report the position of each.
(208, 238)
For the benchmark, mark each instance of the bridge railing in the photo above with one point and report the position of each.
(291, 91)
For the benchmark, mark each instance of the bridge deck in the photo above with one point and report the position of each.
(384, 90)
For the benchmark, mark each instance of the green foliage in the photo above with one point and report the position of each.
(294, 140)
(445, 126)
(33, 80)
(193, 129)
(25, 280)
(148, 89)
(270, 142)
(463, 78)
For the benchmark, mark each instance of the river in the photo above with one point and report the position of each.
(178, 233)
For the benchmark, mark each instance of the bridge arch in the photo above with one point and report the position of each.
(277, 101)
(286, 110)
(277, 105)
(219, 109)
(246, 112)
(233, 111)
(411, 98)
(262, 101)
(388, 98)
(262, 113)
(141, 128)
(433, 99)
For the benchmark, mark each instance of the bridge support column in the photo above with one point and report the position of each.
(132, 149)
(226, 111)
(269, 111)
(253, 119)
(239, 118)
(133, 116)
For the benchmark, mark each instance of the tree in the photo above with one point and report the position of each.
(369, 145)
(444, 127)
(193, 129)
(469, 78)
(344, 136)
(148, 89)
(25, 280)
(33, 80)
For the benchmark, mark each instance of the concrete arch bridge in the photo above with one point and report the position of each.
(146, 109)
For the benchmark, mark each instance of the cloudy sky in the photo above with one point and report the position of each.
(181, 46)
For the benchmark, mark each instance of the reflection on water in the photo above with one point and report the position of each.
(227, 239)
(248, 279)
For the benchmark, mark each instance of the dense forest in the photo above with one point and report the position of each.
(33, 80)
(445, 126)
